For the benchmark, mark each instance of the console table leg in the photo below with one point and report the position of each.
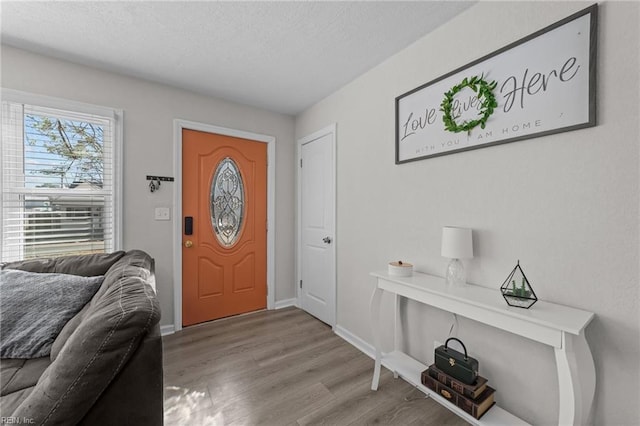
(397, 328)
(375, 329)
(576, 380)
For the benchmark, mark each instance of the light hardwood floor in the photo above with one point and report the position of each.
(282, 368)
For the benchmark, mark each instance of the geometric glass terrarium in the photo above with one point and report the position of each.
(516, 289)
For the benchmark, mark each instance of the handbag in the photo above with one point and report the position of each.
(457, 365)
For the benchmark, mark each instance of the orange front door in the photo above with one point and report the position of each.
(224, 259)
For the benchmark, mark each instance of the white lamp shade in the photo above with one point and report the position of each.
(457, 243)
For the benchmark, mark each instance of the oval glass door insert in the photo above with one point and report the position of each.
(227, 202)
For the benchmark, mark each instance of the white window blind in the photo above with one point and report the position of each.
(59, 192)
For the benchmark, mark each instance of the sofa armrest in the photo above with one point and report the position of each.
(135, 396)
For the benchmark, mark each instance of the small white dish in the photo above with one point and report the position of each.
(400, 269)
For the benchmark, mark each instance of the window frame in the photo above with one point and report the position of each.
(116, 115)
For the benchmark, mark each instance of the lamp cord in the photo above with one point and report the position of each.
(454, 324)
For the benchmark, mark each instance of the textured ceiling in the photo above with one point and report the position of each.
(282, 56)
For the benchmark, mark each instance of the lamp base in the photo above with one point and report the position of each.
(456, 274)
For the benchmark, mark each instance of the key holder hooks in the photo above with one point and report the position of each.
(154, 185)
(154, 182)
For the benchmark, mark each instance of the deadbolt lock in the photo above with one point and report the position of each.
(188, 244)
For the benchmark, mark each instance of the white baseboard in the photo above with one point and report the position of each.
(286, 303)
(365, 347)
(165, 330)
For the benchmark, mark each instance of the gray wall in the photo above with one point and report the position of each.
(149, 111)
(566, 205)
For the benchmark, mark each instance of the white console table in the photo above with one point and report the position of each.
(555, 325)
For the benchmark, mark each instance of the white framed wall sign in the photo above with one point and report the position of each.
(542, 84)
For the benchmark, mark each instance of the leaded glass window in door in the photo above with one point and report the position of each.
(227, 202)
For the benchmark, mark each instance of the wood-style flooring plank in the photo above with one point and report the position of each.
(282, 368)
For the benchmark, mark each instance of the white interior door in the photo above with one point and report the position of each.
(317, 254)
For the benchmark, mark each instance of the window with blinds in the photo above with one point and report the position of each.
(58, 180)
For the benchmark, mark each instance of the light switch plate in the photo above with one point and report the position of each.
(163, 213)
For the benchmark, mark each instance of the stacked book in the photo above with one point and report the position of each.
(474, 399)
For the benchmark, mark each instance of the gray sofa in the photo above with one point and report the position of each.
(105, 366)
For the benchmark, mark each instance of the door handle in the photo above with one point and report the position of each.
(188, 244)
(327, 240)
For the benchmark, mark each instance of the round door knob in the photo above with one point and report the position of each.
(188, 244)
(327, 240)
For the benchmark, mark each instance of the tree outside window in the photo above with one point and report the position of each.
(63, 153)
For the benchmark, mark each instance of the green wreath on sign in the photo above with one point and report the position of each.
(488, 102)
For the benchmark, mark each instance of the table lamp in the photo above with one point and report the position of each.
(457, 244)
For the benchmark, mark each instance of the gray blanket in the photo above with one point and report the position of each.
(34, 307)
